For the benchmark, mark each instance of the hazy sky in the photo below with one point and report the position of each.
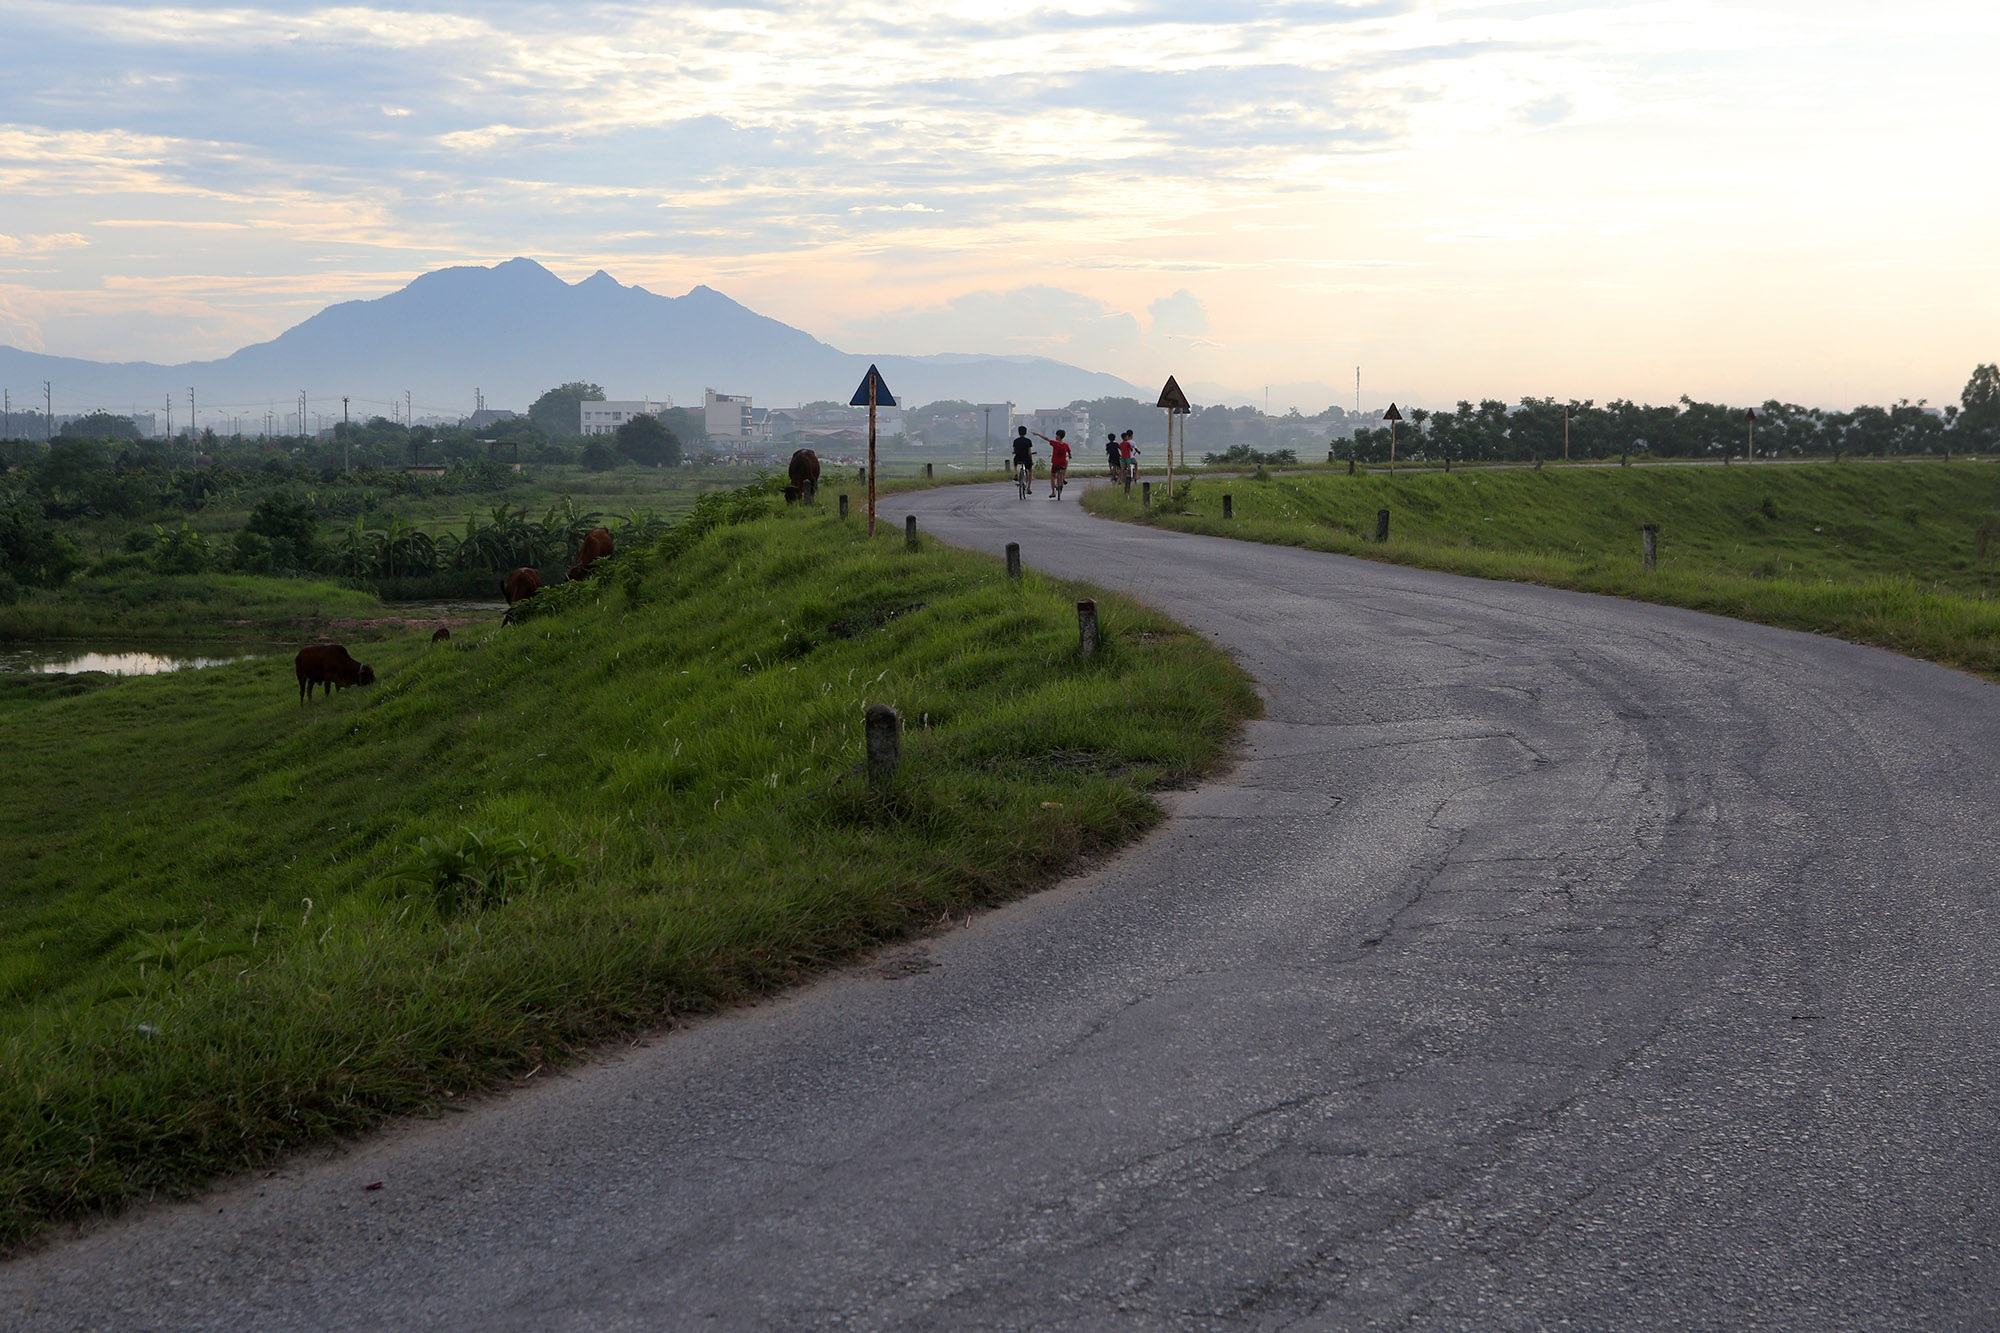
(1740, 200)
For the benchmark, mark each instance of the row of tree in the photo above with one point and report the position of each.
(1538, 427)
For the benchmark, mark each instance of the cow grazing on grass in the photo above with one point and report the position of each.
(443, 633)
(330, 665)
(518, 587)
(805, 475)
(596, 545)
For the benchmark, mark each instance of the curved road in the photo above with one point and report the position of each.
(1548, 959)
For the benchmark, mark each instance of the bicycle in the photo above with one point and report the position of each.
(1131, 473)
(1023, 478)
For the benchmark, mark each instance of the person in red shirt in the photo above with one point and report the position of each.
(1058, 462)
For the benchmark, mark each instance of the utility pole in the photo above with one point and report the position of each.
(346, 433)
(1565, 432)
(1357, 391)
(7, 412)
(170, 417)
(194, 441)
(409, 415)
(986, 449)
(48, 412)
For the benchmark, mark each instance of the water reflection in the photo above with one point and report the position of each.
(55, 659)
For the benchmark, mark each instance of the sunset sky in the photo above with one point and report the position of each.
(1733, 200)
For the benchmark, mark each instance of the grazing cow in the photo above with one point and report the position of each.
(330, 665)
(443, 633)
(805, 474)
(596, 545)
(522, 584)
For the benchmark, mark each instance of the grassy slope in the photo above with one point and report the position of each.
(1879, 554)
(207, 607)
(204, 960)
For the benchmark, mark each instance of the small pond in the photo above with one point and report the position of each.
(54, 658)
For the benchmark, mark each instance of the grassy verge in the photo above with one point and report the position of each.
(184, 607)
(1907, 558)
(238, 926)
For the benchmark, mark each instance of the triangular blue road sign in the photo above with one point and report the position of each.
(883, 398)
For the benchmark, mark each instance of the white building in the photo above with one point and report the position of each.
(1049, 420)
(605, 415)
(728, 414)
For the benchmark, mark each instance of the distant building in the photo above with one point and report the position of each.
(994, 420)
(605, 415)
(728, 415)
(1049, 420)
(492, 416)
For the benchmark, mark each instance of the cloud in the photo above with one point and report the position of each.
(43, 244)
(1045, 321)
(1179, 315)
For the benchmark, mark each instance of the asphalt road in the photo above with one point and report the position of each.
(1549, 960)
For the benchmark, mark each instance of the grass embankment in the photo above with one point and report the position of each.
(236, 926)
(1892, 556)
(185, 608)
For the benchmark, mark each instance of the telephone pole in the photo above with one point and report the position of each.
(302, 416)
(1357, 391)
(7, 412)
(409, 416)
(170, 418)
(194, 439)
(48, 412)
(346, 431)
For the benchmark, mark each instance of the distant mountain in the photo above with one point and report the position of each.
(516, 329)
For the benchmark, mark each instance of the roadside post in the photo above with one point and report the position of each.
(843, 506)
(1228, 505)
(1175, 404)
(1013, 560)
(1392, 416)
(1750, 450)
(873, 393)
(1086, 628)
(910, 532)
(883, 726)
(1381, 525)
(1145, 495)
(1649, 546)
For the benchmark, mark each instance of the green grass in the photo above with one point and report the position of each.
(185, 608)
(236, 926)
(1878, 554)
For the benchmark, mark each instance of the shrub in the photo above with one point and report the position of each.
(473, 871)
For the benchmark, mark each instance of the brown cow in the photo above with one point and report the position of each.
(805, 474)
(522, 584)
(330, 665)
(596, 545)
(443, 633)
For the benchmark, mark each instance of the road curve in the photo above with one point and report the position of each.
(1548, 959)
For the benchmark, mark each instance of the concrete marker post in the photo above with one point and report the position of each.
(883, 730)
(1228, 506)
(1350, 465)
(928, 475)
(843, 506)
(1145, 495)
(1086, 629)
(910, 532)
(1013, 560)
(1649, 546)
(1381, 525)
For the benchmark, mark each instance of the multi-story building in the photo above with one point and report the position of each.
(604, 416)
(1049, 420)
(728, 415)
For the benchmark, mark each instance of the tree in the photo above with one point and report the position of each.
(558, 411)
(1979, 406)
(646, 441)
(599, 457)
(100, 426)
(289, 524)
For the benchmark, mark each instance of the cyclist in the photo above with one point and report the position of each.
(1059, 450)
(1128, 458)
(1024, 460)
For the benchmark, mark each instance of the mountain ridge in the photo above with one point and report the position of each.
(514, 329)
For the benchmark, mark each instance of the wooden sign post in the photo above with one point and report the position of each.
(1392, 416)
(1175, 404)
(873, 393)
